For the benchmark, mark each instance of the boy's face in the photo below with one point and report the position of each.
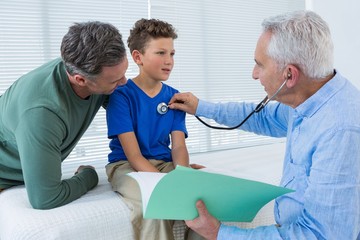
(158, 59)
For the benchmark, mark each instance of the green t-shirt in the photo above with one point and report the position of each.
(41, 121)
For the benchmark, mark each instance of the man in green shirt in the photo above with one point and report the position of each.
(45, 112)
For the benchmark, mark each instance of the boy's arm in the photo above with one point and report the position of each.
(132, 151)
(179, 151)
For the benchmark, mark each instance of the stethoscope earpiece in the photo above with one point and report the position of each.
(162, 108)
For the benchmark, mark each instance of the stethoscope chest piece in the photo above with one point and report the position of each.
(162, 108)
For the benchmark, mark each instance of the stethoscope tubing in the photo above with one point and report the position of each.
(257, 109)
(162, 108)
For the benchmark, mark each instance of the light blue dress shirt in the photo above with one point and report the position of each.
(322, 162)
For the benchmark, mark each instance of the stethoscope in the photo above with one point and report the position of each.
(162, 108)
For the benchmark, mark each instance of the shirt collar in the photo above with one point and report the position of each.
(317, 100)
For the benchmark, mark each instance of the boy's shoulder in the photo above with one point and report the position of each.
(169, 88)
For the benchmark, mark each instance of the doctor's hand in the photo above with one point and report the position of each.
(205, 225)
(186, 102)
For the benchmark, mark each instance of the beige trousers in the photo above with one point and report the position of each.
(127, 187)
(192, 235)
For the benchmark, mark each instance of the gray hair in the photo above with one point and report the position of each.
(90, 46)
(301, 38)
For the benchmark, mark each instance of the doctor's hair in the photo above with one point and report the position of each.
(146, 29)
(301, 38)
(88, 47)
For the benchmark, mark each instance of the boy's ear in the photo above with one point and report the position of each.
(136, 55)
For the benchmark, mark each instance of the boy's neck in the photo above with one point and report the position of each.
(151, 88)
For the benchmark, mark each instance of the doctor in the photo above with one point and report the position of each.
(318, 110)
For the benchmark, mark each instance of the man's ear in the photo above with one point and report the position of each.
(291, 74)
(80, 80)
(136, 55)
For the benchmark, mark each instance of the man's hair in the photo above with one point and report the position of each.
(146, 29)
(301, 38)
(88, 47)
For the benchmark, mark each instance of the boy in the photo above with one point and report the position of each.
(140, 126)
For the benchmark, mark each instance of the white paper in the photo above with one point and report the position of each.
(147, 182)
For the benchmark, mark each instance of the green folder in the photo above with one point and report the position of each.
(173, 195)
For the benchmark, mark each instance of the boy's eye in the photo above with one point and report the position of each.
(161, 53)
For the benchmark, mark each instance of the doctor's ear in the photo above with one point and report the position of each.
(291, 75)
(288, 74)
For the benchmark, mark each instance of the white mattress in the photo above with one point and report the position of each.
(101, 214)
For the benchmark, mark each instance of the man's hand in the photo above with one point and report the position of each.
(186, 102)
(205, 225)
(83, 167)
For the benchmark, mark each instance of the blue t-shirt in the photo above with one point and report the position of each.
(132, 110)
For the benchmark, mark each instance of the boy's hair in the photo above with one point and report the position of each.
(146, 29)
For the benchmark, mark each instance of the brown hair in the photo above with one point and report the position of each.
(146, 29)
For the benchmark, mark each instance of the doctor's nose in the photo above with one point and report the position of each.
(255, 73)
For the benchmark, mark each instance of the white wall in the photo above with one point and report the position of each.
(343, 18)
